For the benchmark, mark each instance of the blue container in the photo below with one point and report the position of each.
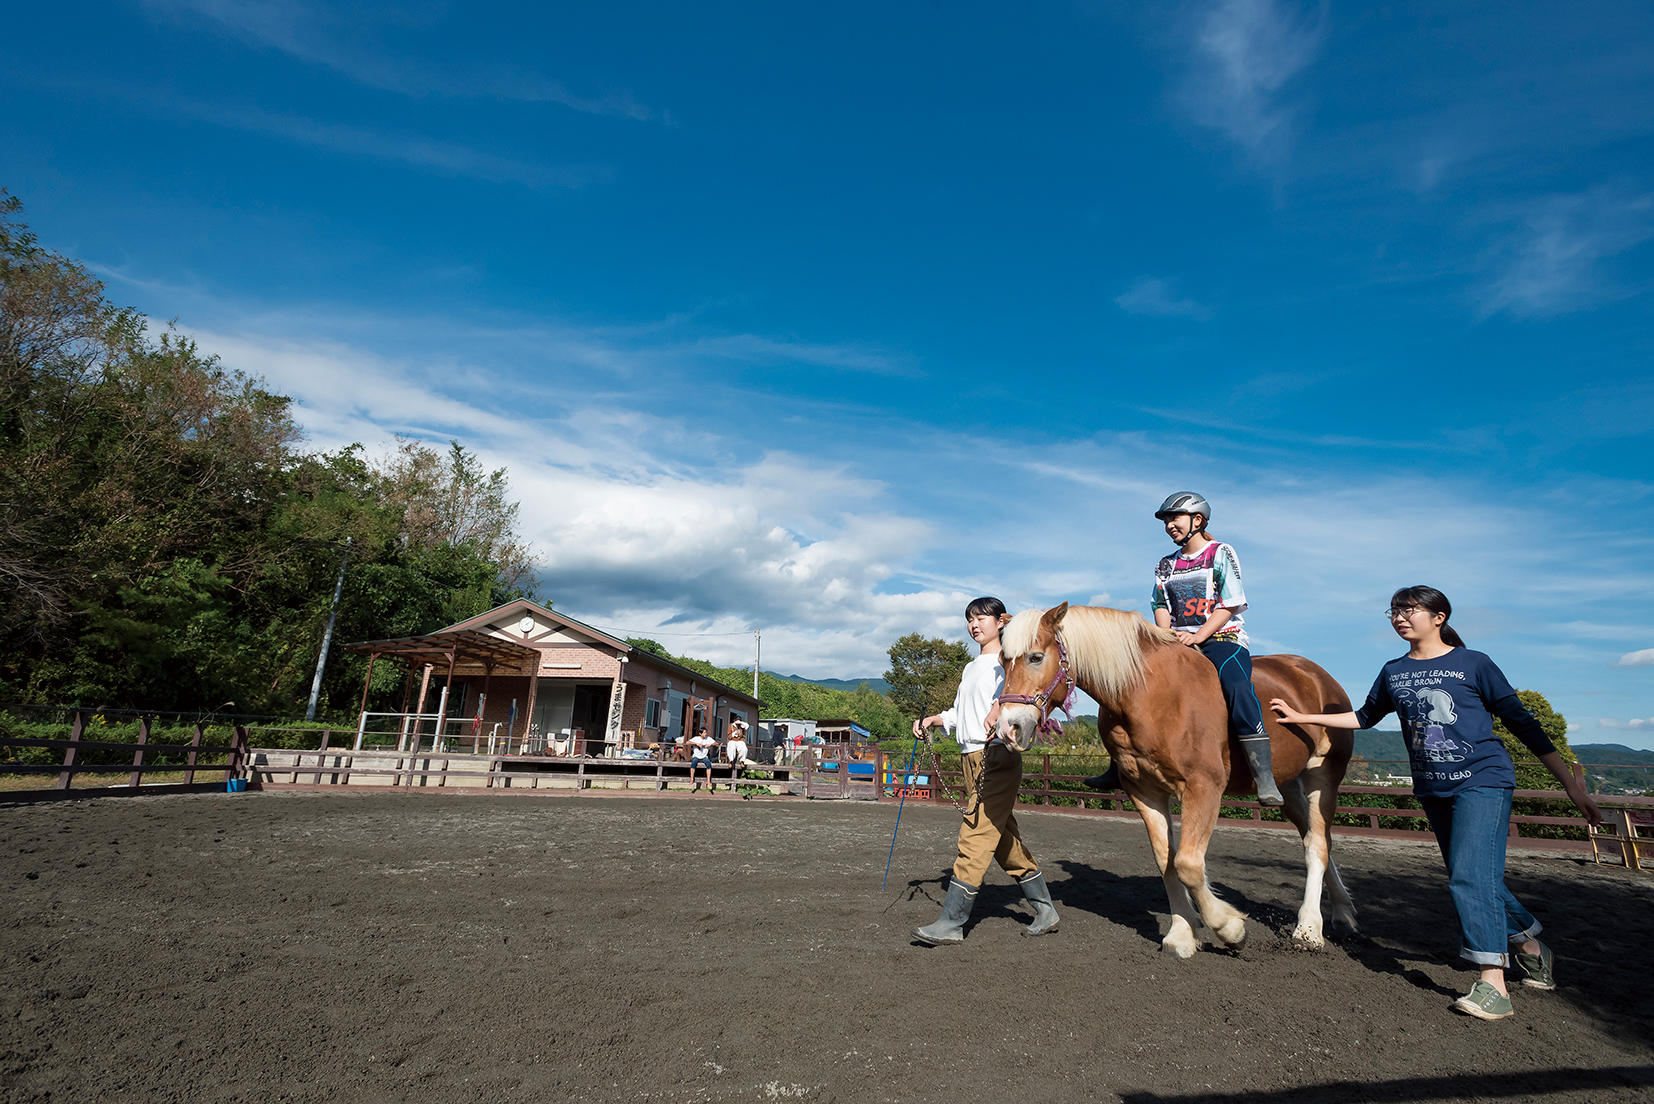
(235, 785)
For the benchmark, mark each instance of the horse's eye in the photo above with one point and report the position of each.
(1036, 657)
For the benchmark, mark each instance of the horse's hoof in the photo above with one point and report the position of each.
(1233, 934)
(1178, 950)
(1308, 939)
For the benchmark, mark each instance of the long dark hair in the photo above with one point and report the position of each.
(1432, 600)
(993, 607)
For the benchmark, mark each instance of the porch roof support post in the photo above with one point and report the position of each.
(362, 714)
(533, 692)
(367, 681)
(419, 710)
(482, 704)
(442, 707)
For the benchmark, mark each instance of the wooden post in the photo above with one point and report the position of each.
(419, 710)
(238, 753)
(533, 693)
(135, 779)
(442, 710)
(75, 730)
(367, 681)
(321, 754)
(482, 705)
(195, 750)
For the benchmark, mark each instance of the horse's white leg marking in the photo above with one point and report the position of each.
(1199, 818)
(1323, 808)
(1180, 937)
(1308, 933)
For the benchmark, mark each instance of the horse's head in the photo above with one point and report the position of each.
(1038, 677)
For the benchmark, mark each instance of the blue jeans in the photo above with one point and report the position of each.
(1234, 664)
(1471, 828)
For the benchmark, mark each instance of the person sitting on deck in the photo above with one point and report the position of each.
(700, 757)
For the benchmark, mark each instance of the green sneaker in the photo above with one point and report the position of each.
(1537, 968)
(1484, 1002)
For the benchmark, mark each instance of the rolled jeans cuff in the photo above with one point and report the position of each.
(1531, 932)
(1485, 958)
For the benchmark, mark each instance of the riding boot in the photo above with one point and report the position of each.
(1045, 913)
(956, 909)
(1108, 781)
(1257, 757)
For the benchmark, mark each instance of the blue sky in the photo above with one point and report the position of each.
(824, 321)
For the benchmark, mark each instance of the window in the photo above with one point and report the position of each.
(651, 714)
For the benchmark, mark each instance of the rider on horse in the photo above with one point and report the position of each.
(1197, 593)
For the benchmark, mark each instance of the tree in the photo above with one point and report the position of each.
(447, 499)
(644, 644)
(924, 673)
(1530, 774)
(163, 541)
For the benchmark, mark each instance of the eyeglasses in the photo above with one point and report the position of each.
(1402, 611)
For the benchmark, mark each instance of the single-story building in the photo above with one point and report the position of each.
(550, 676)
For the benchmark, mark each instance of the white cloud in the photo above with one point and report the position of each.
(452, 158)
(328, 37)
(1246, 54)
(1643, 658)
(1153, 296)
(1554, 262)
(636, 527)
(1634, 722)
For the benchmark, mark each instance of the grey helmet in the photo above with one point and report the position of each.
(1184, 502)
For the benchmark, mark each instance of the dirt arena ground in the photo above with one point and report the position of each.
(370, 947)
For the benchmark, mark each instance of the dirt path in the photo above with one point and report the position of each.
(319, 947)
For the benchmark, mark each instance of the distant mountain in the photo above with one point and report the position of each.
(1617, 769)
(1381, 745)
(875, 684)
(1618, 754)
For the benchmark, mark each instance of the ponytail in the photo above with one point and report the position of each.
(1430, 599)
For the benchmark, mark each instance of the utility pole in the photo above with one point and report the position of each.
(757, 653)
(327, 638)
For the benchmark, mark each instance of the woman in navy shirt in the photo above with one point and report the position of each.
(1446, 697)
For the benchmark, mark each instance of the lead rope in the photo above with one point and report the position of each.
(936, 769)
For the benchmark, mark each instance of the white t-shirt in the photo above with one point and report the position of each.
(701, 747)
(979, 688)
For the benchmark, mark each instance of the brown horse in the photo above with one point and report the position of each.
(1163, 719)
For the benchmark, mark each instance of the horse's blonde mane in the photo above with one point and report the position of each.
(1105, 646)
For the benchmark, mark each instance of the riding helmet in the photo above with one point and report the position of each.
(1184, 502)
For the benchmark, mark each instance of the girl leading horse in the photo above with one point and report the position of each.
(1162, 715)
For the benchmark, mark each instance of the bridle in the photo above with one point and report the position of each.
(1044, 700)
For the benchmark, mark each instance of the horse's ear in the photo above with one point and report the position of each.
(1054, 616)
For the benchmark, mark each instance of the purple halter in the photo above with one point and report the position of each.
(1043, 701)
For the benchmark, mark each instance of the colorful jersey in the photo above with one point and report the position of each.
(1447, 706)
(1192, 588)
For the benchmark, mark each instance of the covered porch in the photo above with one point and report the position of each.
(465, 653)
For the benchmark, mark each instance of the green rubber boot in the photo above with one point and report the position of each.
(1039, 896)
(1263, 773)
(956, 909)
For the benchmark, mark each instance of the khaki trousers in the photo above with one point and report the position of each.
(990, 833)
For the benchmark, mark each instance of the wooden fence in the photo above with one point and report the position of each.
(840, 775)
(1045, 788)
(225, 761)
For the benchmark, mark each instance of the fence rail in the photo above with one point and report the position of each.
(197, 756)
(840, 775)
(1045, 788)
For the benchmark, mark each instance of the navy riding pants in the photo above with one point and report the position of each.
(1234, 664)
